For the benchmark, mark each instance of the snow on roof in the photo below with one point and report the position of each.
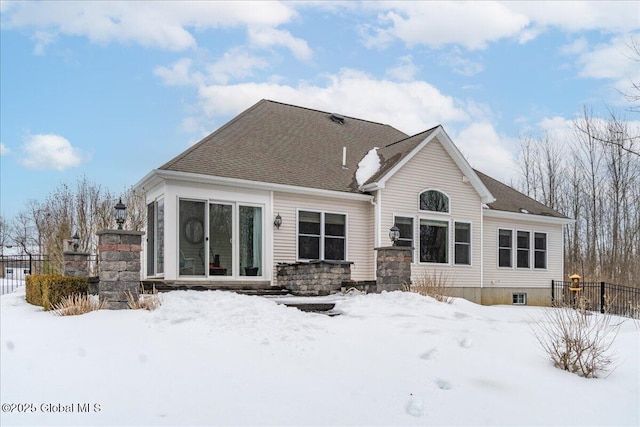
(368, 166)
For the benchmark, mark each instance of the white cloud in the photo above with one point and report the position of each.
(42, 39)
(164, 25)
(405, 71)
(266, 37)
(576, 47)
(178, 74)
(474, 25)
(436, 24)
(613, 61)
(4, 150)
(459, 64)
(614, 17)
(410, 106)
(608, 61)
(236, 63)
(50, 152)
(487, 151)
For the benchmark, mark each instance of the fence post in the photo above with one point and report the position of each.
(602, 285)
(553, 294)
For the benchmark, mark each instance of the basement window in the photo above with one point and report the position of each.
(519, 298)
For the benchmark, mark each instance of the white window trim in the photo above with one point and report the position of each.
(498, 248)
(529, 249)
(524, 298)
(453, 242)
(435, 212)
(155, 201)
(514, 249)
(235, 269)
(322, 235)
(449, 242)
(546, 250)
(236, 222)
(413, 229)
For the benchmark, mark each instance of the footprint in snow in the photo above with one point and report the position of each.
(443, 384)
(415, 406)
(428, 355)
(466, 343)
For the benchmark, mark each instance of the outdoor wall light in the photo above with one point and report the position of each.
(278, 221)
(75, 240)
(394, 234)
(120, 213)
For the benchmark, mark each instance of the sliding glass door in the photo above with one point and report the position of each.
(220, 239)
(229, 243)
(250, 241)
(192, 243)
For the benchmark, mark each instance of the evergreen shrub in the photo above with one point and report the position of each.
(48, 290)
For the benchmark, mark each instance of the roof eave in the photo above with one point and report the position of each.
(167, 175)
(527, 217)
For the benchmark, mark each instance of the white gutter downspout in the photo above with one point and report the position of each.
(481, 249)
(375, 201)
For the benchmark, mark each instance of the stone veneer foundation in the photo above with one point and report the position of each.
(314, 277)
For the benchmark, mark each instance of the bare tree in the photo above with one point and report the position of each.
(592, 178)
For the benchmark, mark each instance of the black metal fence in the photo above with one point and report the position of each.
(14, 269)
(598, 296)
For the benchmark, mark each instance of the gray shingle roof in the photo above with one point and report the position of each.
(285, 144)
(510, 200)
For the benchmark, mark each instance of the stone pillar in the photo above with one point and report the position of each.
(76, 264)
(119, 257)
(393, 268)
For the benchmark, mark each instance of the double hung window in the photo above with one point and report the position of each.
(523, 242)
(505, 245)
(405, 225)
(322, 235)
(462, 243)
(539, 250)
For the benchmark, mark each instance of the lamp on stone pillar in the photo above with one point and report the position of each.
(75, 240)
(120, 213)
(394, 234)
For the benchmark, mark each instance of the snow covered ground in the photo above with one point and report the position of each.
(217, 358)
(9, 285)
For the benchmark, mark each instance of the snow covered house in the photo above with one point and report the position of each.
(284, 184)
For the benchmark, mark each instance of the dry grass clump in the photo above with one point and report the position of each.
(147, 300)
(433, 284)
(75, 304)
(576, 340)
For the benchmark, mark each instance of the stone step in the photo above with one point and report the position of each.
(317, 307)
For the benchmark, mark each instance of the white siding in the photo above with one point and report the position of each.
(359, 229)
(432, 168)
(505, 277)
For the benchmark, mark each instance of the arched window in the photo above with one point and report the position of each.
(434, 201)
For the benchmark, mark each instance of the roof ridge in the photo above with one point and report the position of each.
(180, 156)
(518, 191)
(411, 136)
(330, 112)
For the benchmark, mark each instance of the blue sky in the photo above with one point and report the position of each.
(112, 90)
